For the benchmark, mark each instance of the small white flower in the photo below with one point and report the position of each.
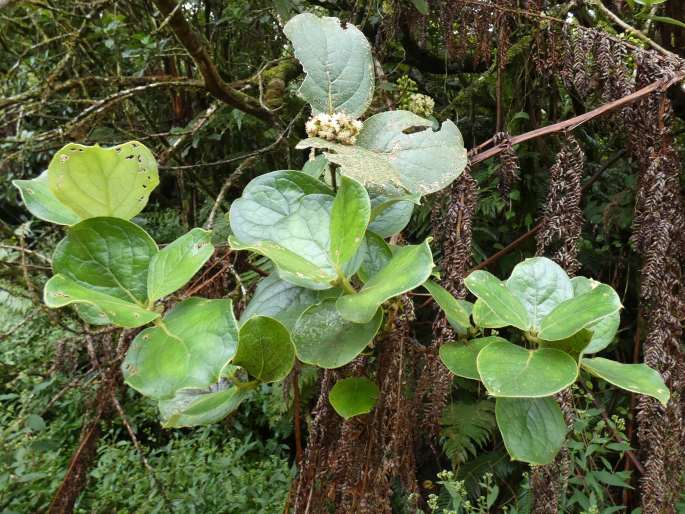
(337, 127)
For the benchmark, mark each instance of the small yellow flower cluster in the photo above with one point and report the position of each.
(337, 127)
(421, 104)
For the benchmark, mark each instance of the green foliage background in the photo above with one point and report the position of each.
(106, 72)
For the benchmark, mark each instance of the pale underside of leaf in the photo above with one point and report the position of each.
(337, 62)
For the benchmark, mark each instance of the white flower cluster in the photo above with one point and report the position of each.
(421, 104)
(337, 127)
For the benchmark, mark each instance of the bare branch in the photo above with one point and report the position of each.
(618, 21)
(197, 49)
(570, 124)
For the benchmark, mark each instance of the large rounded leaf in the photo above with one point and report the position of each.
(91, 314)
(195, 407)
(107, 255)
(637, 378)
(280, 300)
(579, 312)
(323, 338)
(350, 215)
(337, 62)
(461, 358)
(409, 267)
(485, 317)
(511, 371)
(60, 291)
(390, 211)
(540, 284)
(376, 256)
(426, 160)
(286, 215)
(176, 263)
(456, 311)
(194, 342)
(265, 350)
(574, 345)
(42, 203)
(506, 308)
(353, 396)
(603, 331)
(93, 181)
(390, 152)
(533, 429)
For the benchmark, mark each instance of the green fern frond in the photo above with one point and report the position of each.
(467, 427)
(13, 305)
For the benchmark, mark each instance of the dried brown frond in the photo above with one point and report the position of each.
(508, 171)
(562, 219)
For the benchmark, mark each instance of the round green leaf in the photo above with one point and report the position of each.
(574, 345)
(353, 396)
(637, 378)
(337, 63)
(603, 331)
(285, 216)
(93, 181)
(485, 317)
(505, 307)
(279, 300)
(461, 358)
(107, 255)
(390, 211)
(409, 267)
(177, 263)
(42, 203)
(265, 349)
(91, 314)
(533, 429)
(540, 284)
(508, 370)
(457, 311)
(579, 312)
(324, 338)
(376, 257)
(192, 345)
(195, 407)
(349, 218)
(388, 153)
(316, 167)
(426, 160)
(60, 291)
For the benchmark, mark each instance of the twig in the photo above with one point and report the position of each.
(619, 437)
(194, 126)
(27, 251)
(297, 411)
(573, 123)
(628, 28)
(139, 449)
(213, 82)
(13, 329)
(107, 103)
(227, 184)
(241, 157)
(522, 239)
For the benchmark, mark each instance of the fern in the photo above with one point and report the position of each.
(12, 307)
(467, 427)
(496, 462)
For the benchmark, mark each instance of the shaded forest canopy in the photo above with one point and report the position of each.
(572, 113)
